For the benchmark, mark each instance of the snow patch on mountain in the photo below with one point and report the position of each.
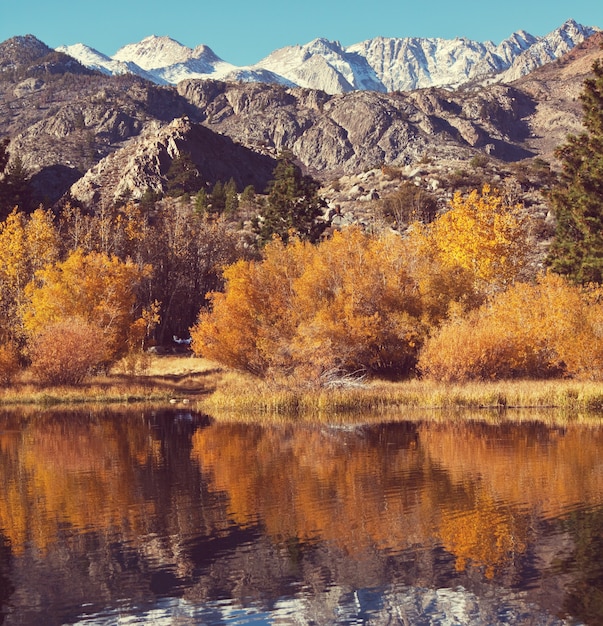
(546, 49)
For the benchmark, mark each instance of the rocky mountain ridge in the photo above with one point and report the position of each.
(379, 64)
(102, 138)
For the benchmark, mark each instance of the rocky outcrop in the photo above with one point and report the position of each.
(363, 129)
(144, 162)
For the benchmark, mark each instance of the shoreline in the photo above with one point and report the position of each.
(204, 386)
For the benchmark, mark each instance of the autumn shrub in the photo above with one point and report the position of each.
(65, 352)
(358, 302)
(96, 288)
(550, 328)
(348, 304)
(9, 363)
(484, 235)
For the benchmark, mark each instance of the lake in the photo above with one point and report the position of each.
(170, 517)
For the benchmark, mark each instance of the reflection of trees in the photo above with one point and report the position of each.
(81, 474)
(585, 598)
(112, 507)
(309, 483)
(470, 488)
(6, 587)
(95, 505)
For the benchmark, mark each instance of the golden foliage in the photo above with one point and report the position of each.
(346, 304)
(27, 244)
(360, 302)
(537, 330)
(95, 288)
(481, 234)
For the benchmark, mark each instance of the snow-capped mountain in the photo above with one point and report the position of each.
(379, 64)
(546, 49)
(96, 60)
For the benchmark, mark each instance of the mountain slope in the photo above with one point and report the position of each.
(65, 121)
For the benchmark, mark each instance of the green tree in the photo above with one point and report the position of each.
(293, 205)
(231, 198)
(3, 154)
(217, 198)
(577, 200)
(18, 189)
(201, 202)
(149, 198)
(183, 176)
(14, 183)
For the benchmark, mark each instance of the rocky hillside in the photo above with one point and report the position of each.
(102, 137)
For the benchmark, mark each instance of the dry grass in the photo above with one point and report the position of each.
(164, 380)
(228, 395)
(246, 398)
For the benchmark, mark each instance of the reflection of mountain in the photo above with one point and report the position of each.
(172, 513)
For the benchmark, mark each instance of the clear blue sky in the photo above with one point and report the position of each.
(244, 31)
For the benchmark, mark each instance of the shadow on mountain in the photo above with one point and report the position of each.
(218, 157)
(52, 182)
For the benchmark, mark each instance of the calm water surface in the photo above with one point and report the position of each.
(171, 518)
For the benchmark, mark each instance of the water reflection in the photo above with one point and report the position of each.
(171, 518)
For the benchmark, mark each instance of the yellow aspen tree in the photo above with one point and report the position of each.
(360, 308)
(252, 321)
(27, 244)
(13, 270)
(483, 234)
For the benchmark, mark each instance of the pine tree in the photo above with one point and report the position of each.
(183, 177)
(217, 199)
(15, 189)
(231, 199)
(16, 178)
(577, 200)
(292, 206)
(201, 202)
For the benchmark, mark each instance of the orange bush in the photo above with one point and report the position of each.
(346, 304)
(65, 352)
(540, 330)
(96, 288)
(9, 363)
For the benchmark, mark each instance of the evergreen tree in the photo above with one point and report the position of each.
(217, 198)
(231, 198)
(4, 195)
(149, 198)
(15, 190)
(577, 250)
(183, 176)
(3, 154)
(292, 206)
(201, 202)
(248, 197)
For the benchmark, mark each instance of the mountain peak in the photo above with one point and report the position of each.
(378, 64)
(22, 50)
(154, 52)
